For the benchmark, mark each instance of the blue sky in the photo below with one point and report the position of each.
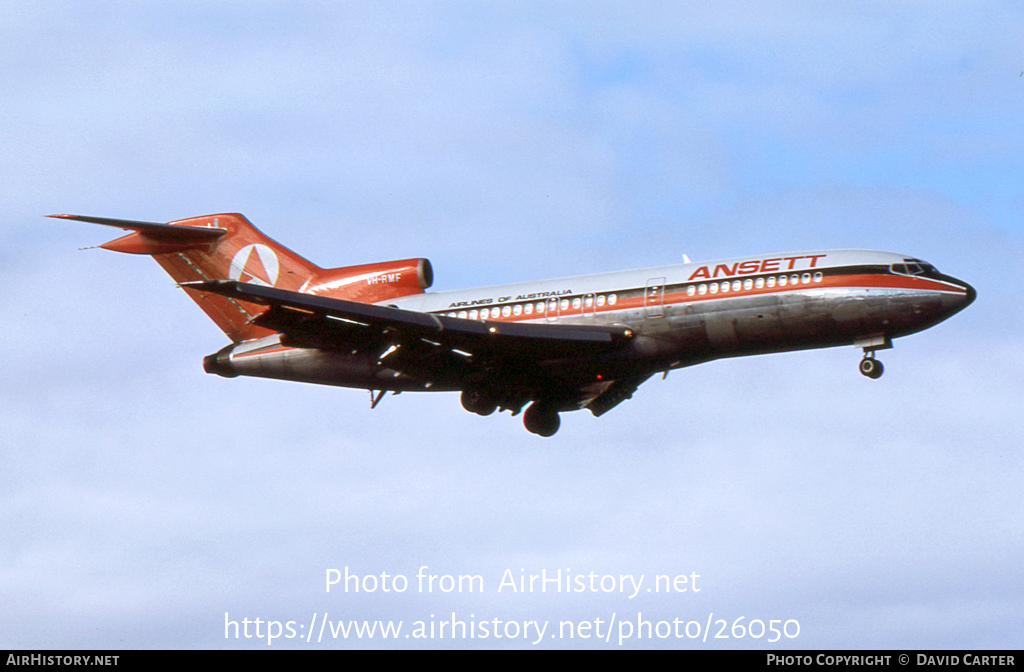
(141, 499)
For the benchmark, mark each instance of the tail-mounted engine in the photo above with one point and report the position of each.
(371, 283)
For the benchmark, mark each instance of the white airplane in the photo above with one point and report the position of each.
(557, 345)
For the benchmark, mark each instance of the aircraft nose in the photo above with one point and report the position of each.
(971, 294)
(958, 302)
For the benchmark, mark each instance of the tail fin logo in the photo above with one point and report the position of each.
(260, 268)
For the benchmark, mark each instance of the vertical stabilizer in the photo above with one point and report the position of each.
(243, 253)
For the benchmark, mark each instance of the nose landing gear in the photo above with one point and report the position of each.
(871, 367)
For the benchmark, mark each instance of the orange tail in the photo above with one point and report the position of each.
(242, 253)
(228, 246)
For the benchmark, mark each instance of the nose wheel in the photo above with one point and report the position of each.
(871, 367)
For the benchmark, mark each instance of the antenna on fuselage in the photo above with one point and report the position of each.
(686, 259)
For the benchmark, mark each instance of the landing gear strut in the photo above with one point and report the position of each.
(541, 419)
(871, 367)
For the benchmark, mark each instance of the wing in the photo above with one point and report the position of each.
(532, 358)
(308, 320)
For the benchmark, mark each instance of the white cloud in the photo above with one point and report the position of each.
(142, 498)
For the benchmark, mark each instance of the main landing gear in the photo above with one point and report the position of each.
(541, 419)
(479, 402)
(871, 367)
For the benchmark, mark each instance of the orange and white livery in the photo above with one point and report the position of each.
(548, 346)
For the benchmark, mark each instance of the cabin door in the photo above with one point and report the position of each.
(654, 298)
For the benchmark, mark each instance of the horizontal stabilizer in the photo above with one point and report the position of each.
(164, 232)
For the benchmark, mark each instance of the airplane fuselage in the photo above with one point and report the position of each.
(682, 315)
(557, 345)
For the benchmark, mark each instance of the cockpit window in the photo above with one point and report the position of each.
(915, 267)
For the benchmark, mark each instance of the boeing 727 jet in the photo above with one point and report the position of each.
(548, 346)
